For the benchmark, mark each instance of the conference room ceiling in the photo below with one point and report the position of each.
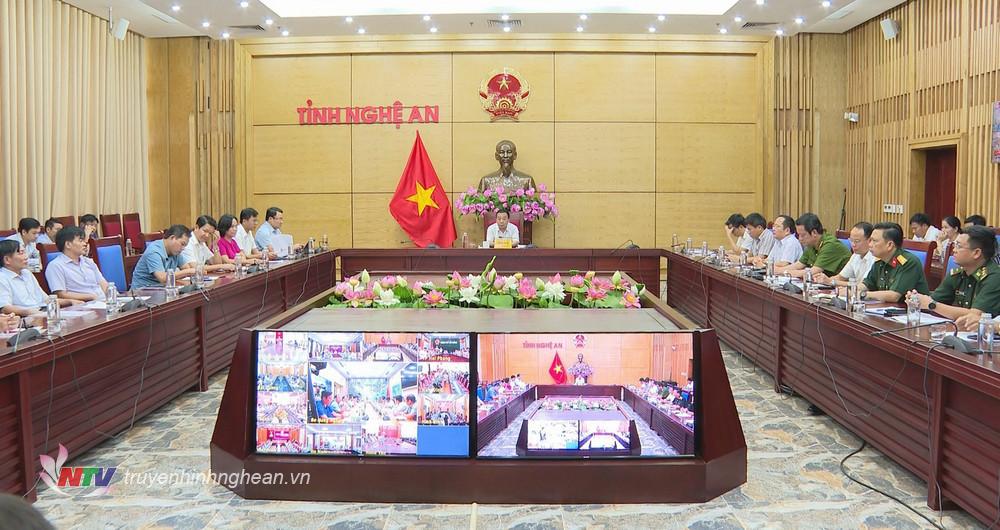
(157, 18)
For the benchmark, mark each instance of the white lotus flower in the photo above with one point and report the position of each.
(475, 281)
(553, 291)
(387, 298)
(510, 283)
(468, 295)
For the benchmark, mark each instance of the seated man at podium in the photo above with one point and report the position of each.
(503, 229)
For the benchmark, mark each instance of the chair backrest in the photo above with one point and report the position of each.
(132, 229)
(148, 237)
(7, 233)
(951, 265)
(516, 219)
(111, 224)
(109, 254)
(844, 237)
(66, 220)
(923, 250)
(48, 252)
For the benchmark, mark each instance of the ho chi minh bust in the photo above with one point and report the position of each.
(506, 177)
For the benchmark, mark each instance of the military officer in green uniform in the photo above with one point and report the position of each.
(822, 252)
(972, 288)
(896, 271)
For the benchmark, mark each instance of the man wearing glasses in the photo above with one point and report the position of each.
(972, 288)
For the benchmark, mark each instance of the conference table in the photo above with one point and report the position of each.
(932, 410)
(101, 374)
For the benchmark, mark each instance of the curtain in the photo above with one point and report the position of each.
(72, 114)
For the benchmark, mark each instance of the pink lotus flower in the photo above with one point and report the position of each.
(519, 192)
(488, 193)
(556, 279)
(341, 288)
(471, 190)
(515, 208)
(527, 290)
(499, 190)
(541, 187)
(388, 282)
(630, 300)
(530, 192)
(577, 281)
(434, 298)
(596, 294)
(499, 283)
(502, 197)
(603, 284)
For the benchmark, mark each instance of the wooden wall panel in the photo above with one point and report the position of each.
(707, 88)
(605, 87)
(158, 108)
(312, 215)
(605, 156)
(700, 216)
(590, 132)
(701, 157)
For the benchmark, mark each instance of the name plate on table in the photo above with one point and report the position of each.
(503, 242)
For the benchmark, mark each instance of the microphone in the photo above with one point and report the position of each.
(887, 331)
(952, 341)
(23, 336)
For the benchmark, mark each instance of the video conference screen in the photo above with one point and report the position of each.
(363, 394)
(586, 395)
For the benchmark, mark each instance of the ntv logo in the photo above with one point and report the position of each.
(58, 477)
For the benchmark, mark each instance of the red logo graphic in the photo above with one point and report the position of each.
(580, 340)
(504, 94)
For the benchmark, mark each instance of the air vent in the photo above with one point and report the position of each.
(758, 25)
(249, 27)
(841, 13)
(165, 20)
(497, 23)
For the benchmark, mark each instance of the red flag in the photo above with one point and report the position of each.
(420, 204)
(557, 370)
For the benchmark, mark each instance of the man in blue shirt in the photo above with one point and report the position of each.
(160, 256)
(274, 217)
(325, 407)
(52, 227)
(71, 274)
(19, 290)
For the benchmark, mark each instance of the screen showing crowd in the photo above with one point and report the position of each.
(586, 394)
(394, 394)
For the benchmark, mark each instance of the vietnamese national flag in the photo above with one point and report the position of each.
(557, 370)
(420, 204)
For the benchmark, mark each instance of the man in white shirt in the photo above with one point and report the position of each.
(19, 290)
(923, 230)
(786, 249)
(27, 236)
(503, 228)
(861, 260)
(761, 237)
(52, 227)
(736, 233)
(202, 247)
(244, 233)
(71, 274)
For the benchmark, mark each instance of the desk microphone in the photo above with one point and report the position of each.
(23, 336)
(952, 341)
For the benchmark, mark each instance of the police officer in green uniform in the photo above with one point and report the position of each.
(896, 271)
(822, 252)
(972, 288)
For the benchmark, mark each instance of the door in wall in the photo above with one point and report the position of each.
(939, 184)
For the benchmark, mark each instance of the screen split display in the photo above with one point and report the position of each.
(389, 394)
(558, 395)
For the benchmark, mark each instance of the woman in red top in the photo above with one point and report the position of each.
(228, 247)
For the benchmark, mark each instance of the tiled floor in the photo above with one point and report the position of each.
(794, 481)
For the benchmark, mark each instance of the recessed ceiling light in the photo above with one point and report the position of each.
(348, 19)
(434, 29)
(361, 31)
(284, 33)
(826, 3)
(760, 2)
(268, 21)
(737, 19)
(244, 4)
(505, 18)
(506, 29)
(799, 20)
(723, 31)
(661, 18)
(225, 34)
(427, 18)
(652, 29)
(175, 7)
(583, 17)
(579, 29)
(206, 24)
(779, 32)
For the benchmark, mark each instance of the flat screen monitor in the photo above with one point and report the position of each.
(586, 395)
(363, 394)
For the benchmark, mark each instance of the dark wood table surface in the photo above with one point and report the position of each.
(932, 410)
(83, 386)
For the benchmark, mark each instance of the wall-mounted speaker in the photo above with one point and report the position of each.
(120, 28)
(890, 28)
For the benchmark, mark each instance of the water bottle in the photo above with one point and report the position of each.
(721, 255)
(913, 310)
(704, 248)
(199, 275)
(985, 341)
(769, 271)
(325, 244)
(688, 245)
(267, 260)
(674, 243)
(807, 280)
(239, 265)
(52, 318)
(111, 300)
(465, 240)
(944, 252)
(171, 284)
(311, 246)
(852, 295)
(128, 247)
